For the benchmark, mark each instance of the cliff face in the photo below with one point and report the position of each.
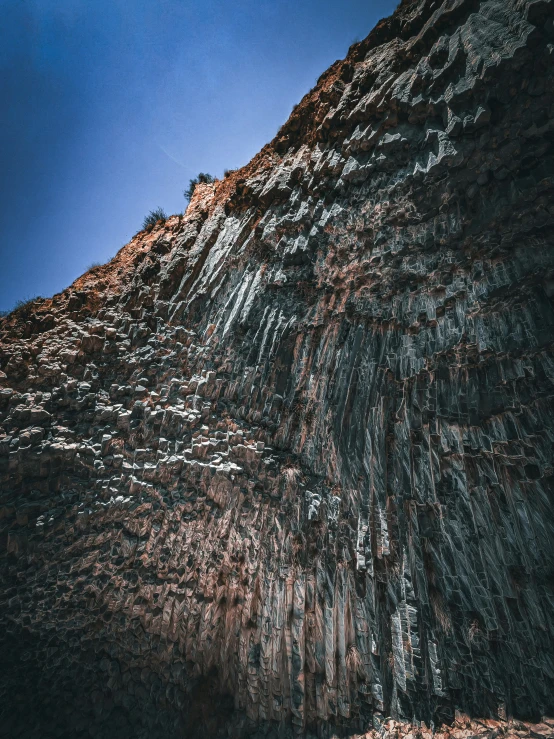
(285, 464)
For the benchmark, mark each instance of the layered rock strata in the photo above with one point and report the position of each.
(284, 466)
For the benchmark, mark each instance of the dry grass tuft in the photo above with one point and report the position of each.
(353, 660)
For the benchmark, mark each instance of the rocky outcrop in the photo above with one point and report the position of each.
(284, 466)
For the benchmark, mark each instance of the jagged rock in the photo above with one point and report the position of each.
(284, 466)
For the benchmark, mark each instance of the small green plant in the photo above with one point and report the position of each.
(203, 178)
(93, 265)
(153, 217)
(26, 302)
(227, 172)
(25, 307)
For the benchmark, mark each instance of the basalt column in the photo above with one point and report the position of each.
(284, 466)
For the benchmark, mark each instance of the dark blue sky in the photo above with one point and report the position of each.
(109, 107)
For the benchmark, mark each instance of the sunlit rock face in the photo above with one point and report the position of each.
(284, 466)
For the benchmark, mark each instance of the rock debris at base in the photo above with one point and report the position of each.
(284, 467)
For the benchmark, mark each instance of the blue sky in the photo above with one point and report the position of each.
(109, 107)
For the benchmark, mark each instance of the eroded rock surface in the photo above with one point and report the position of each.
(284, 466)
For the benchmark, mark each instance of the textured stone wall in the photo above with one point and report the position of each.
(285, 464)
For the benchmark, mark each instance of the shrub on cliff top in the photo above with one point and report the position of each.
(25, 307)
(153, 217)
(203, 178)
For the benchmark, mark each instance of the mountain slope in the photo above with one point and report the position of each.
(285, 464)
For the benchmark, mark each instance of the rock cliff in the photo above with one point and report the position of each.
(284, 466)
